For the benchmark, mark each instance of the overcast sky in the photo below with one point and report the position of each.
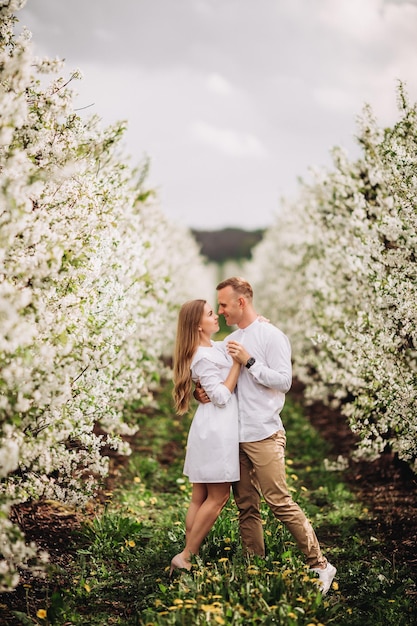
(232, 100)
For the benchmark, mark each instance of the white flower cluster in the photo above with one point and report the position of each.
(91, 277)
(337, 272)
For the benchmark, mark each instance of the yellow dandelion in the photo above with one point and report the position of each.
(41, 613)
(219, 619)
(227, 548)
(294, 476)
(87, 587)
(142, 503)
(335, 586)
(224, 559)
(303, 488)
(179, 601)
(290, 462)
(292, 489)
(153, 500)
(183, 487)
(158, 602)
(227, 540)
(268, 532)
(130, 544)
(137, 479)
(211, 608)
(292, 615)
(301, 599)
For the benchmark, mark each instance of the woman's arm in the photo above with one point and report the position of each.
(232, 376)
(213, 388)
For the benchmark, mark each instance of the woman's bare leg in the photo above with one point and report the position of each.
(198, 496)
(204, 516)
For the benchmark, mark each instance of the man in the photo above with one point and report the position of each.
(265, 352)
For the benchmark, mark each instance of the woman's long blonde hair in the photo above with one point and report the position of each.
(187, 342)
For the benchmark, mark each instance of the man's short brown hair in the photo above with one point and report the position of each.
(239, 285)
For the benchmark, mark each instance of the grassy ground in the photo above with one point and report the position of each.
(119, 572)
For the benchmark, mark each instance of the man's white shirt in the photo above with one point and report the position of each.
(261, 389)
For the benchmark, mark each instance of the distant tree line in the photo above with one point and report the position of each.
(227, 244)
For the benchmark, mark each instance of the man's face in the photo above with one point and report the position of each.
(229, 305)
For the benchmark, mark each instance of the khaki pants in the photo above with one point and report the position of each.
(262, 471)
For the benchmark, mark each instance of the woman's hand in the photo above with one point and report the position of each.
(261, 318)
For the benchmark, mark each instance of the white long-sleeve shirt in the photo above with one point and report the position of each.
(211, 366)
(261, 389)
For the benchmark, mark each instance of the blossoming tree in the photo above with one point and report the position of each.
(337, 271)
(91, 276)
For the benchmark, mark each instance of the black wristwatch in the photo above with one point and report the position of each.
(250, 362)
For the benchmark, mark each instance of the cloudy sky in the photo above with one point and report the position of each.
(232, 100)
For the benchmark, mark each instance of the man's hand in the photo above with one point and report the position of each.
(200, 395)
(238, 352)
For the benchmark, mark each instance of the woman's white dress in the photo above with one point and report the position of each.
(212, 454)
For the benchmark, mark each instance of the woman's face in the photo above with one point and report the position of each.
(209, 322)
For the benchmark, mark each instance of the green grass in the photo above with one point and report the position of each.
(120, 572)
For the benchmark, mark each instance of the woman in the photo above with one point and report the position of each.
(212, 457)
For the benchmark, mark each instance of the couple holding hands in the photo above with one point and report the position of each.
(237, 438)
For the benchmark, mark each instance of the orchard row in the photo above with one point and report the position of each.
(92, 274)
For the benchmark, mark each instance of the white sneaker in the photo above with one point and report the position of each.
(326, 576)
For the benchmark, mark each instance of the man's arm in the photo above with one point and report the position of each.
(276, 373)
